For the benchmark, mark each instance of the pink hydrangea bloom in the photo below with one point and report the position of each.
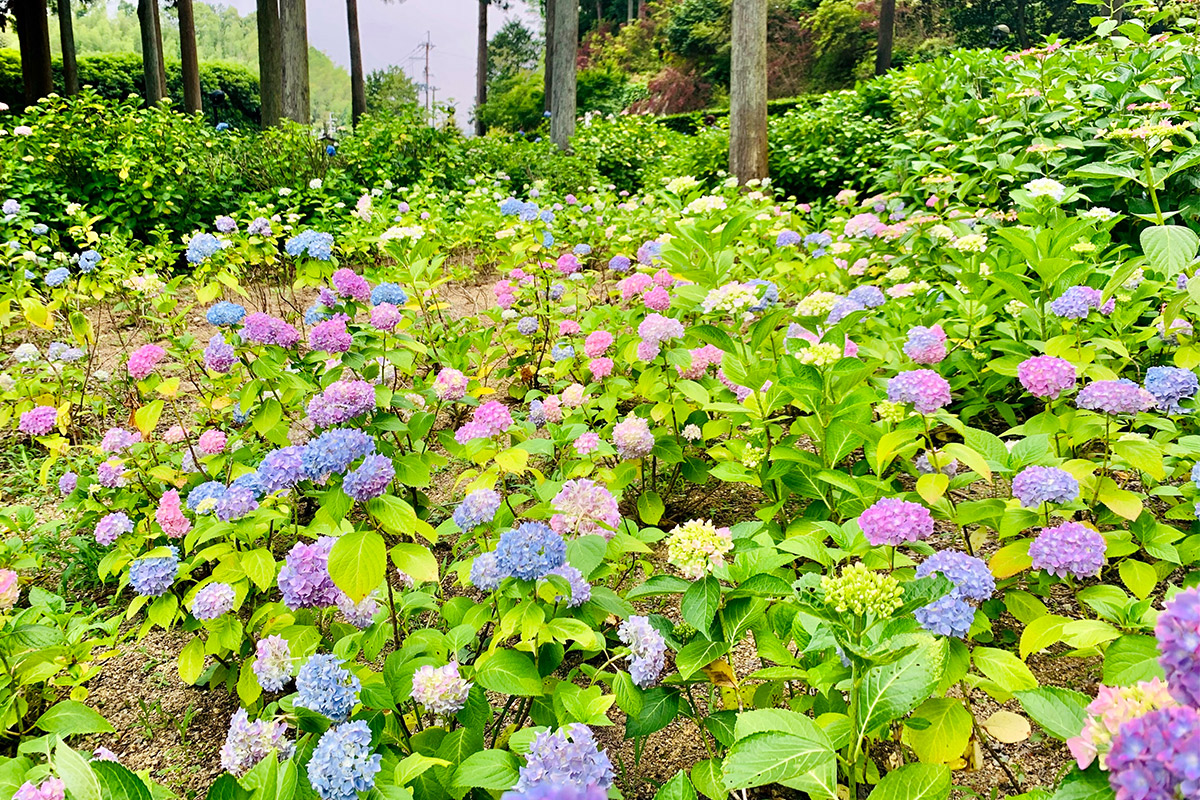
(892, 521)
(350, 284)
(143, 361)
(450, 384)
(657, 299)
(1113, 707)
(1046, 376)
(587, 443)
(169, 515)
(601, 367)
(175, 434)
(568, 327)
(634, 285)
(211, 442)
(597, 343)
(585, 507)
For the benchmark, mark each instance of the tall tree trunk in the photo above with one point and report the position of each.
(641, 9)
(1022, 25)
(629, 10)
(358, 88)
(548, 72)
(562, 91)
(66, 32)
(748, 91)
(162, 53)
(883, 43)
(33, 37)
(293, 27)
(599, 13)
(151, 53)
(481, 64)
(270, 63)
(188, 57)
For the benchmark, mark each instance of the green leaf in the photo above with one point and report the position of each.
(509, 672)
(416, 561)
(1089, 784)
(1006, 671)
(650, 507)
(1169, 248)
(891, 691)
(227, 787)
(75, 773)
(487, 769)
(1131, 659)
(700, 603)
(358, 562)
(678, 788)
(1138, 576)
(945, 738)
(697, 654)
(772, 757)
(819, 782)
(1060, 712)
(120, 783)
(659, 707)
(191, 661)
(706, 777)
(71, 717)
(914, 782)
(1041, 633)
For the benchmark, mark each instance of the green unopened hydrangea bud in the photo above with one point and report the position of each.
(862, 592)
(891, 412)
(752, 456)
(820, 355)
(685, 632)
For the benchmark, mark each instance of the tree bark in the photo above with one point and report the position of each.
(1022, 26)
(151, 52)
(883, 42)
(481, 64)
(33, 37)
(599, 13)
(548, 71)
(629, 10)
(270, 64)
(358, 88)
(293, 26)
(562, 92)
(188, 57)
(162, 53)
(66, 32)
(748, 91)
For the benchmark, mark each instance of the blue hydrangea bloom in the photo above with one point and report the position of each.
(787, 239)
(770, 295)
(971, 577)
(567, 757)
(335, 450)
(511, 206)
(537, 414)
(316, 313)
(153, 577)
(212, 490)
(1196, 474)
(40, 229)
(530, 550)
(235, 503)
(202, 247)
(547, 240)
(528, 212)
(948, 616)
(342, 764)
(486, 574)
(281, 469)
(619, 263)
(562, 352)
(314, 244)
(582, 249)
(817, 242)
(57, 276)
(88, 260)
(326, 687)
(388, 293)
(1036, 485)
(868, 296)
(1169, 385)
(547, 217)
(225, 314)
(478, 507)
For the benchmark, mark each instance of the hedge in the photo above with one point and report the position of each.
(692, 121)
(117, 75)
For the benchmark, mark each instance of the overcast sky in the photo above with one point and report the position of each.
(393, 33)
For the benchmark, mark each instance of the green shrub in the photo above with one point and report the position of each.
(626, 150)
(814, 151)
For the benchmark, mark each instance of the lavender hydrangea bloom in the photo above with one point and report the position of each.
(281, 469)
(219, 355)
(646, 650)
(926, 345)
(530, 550)
(202, 247)
(947, 616)
(568, 757)
(581, 590)
(1178, 632)
(1071, 549)
(945, 464)
(259, 226)
(924, 388)
(478, 507)
(370, 479)
(248, 743)
(342, 764)
(323, 685)
(527, 326)
(68, 482)
(1036, 485)
(340, 402)
(1046, 376)
(440, 689)
(1115, 397)
(971, 576)
(334, 450)
(633, 438)
(153, 577)
(1075, 302)
(203, 499)
(486, 574)
(787, 238)
(619, 263)
(273, 663)
(1154, 756)
(1170, 385)
(560, 791)
(212, 601)
(361, 614)
(111, 526)
(304, 578)
(892, 521)
(235, 503)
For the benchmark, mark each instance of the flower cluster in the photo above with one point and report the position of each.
(892, 521)
(1036, 485)
(248, 743)
(529, 551)
(924, 388)
(1115, 397)
(1112, 708)
(567, 757)
(1046, 376)
(696, 546)
(861, 591)
(1178, 632)
(952, 614)
(585, 507)
(440, 689)
(343, 764)
(323, 685)
(647, 648)
(1069, 550)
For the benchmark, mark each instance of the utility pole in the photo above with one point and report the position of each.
(428, 45)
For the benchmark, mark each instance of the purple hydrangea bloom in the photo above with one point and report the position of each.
(323, 685)
(843, 308)
(235, 503)
(385, 317)
(530, 550)
(38, 421)
(352, 285)
(945, 464)
(892, 521)
(478, 507)
(248, 743)
(219, 356)
(342, 764)
(370, 479)
(1170, 385)
(304, 578)
(568, 757)
(68, 482)
(1071, 549)
(646, 650)
(112, 526)
(787, 239)
(330, 336)
(341, 401)
(1036, 485)
(259, 226)
(924, 388)
(281, 469)
(335, 450)
(970, 575)
(1076, 302)
(527, 326)
(619, 263)
(633, 438)
(273, 663)
(926, 345)
(950, 615)
(111, 473)
(212, 600)
(440, 689)
(486, 574)
(581, 590)
(1115, 397)
(1046, 376)
(152, 577)
(361, 614)
(265, 329)
(1155, 756)
(1178, 632)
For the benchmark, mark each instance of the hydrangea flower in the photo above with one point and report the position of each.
(633, 438)
(862, 592)
(1178, 632)
(1046, 376)
(225, 224)
(1071, 549)
(334, 451)
(273, 663)
(440, 689)
(947, 616)
(568, 757)
(892, 521)
(143, 361)
(212, 600)
(696, 546)
(646, 650)
(68, 482)
(584, 507)
(281, 469)
(225, 314)
(945, 464)
(926, 345)
(787, 238)
(219, 355)
(1170, 385)
(924, 388)
(349, 283)
(478, 507)
(581, 590)
(264, 329)
(952, 614)
(57, 276)
(330, 336)
(38, 421)
(1112, 708)
(153, 577)
(527, 326)
(587, 443)
(1115, 397)
(340, 402)
(529, 551)
(370, 479)
(1154, 756)
(311, 243)
(1036, 485)
(450, 385)
(361, 614)
(112, 526)
(1076, 302)
(342, 764)
(202, 247)
(323, 685)
(620, 263)
(304, 578)
(385, 317)
(50, 789)
(486, 573)
(88, 260)
(211, 442)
